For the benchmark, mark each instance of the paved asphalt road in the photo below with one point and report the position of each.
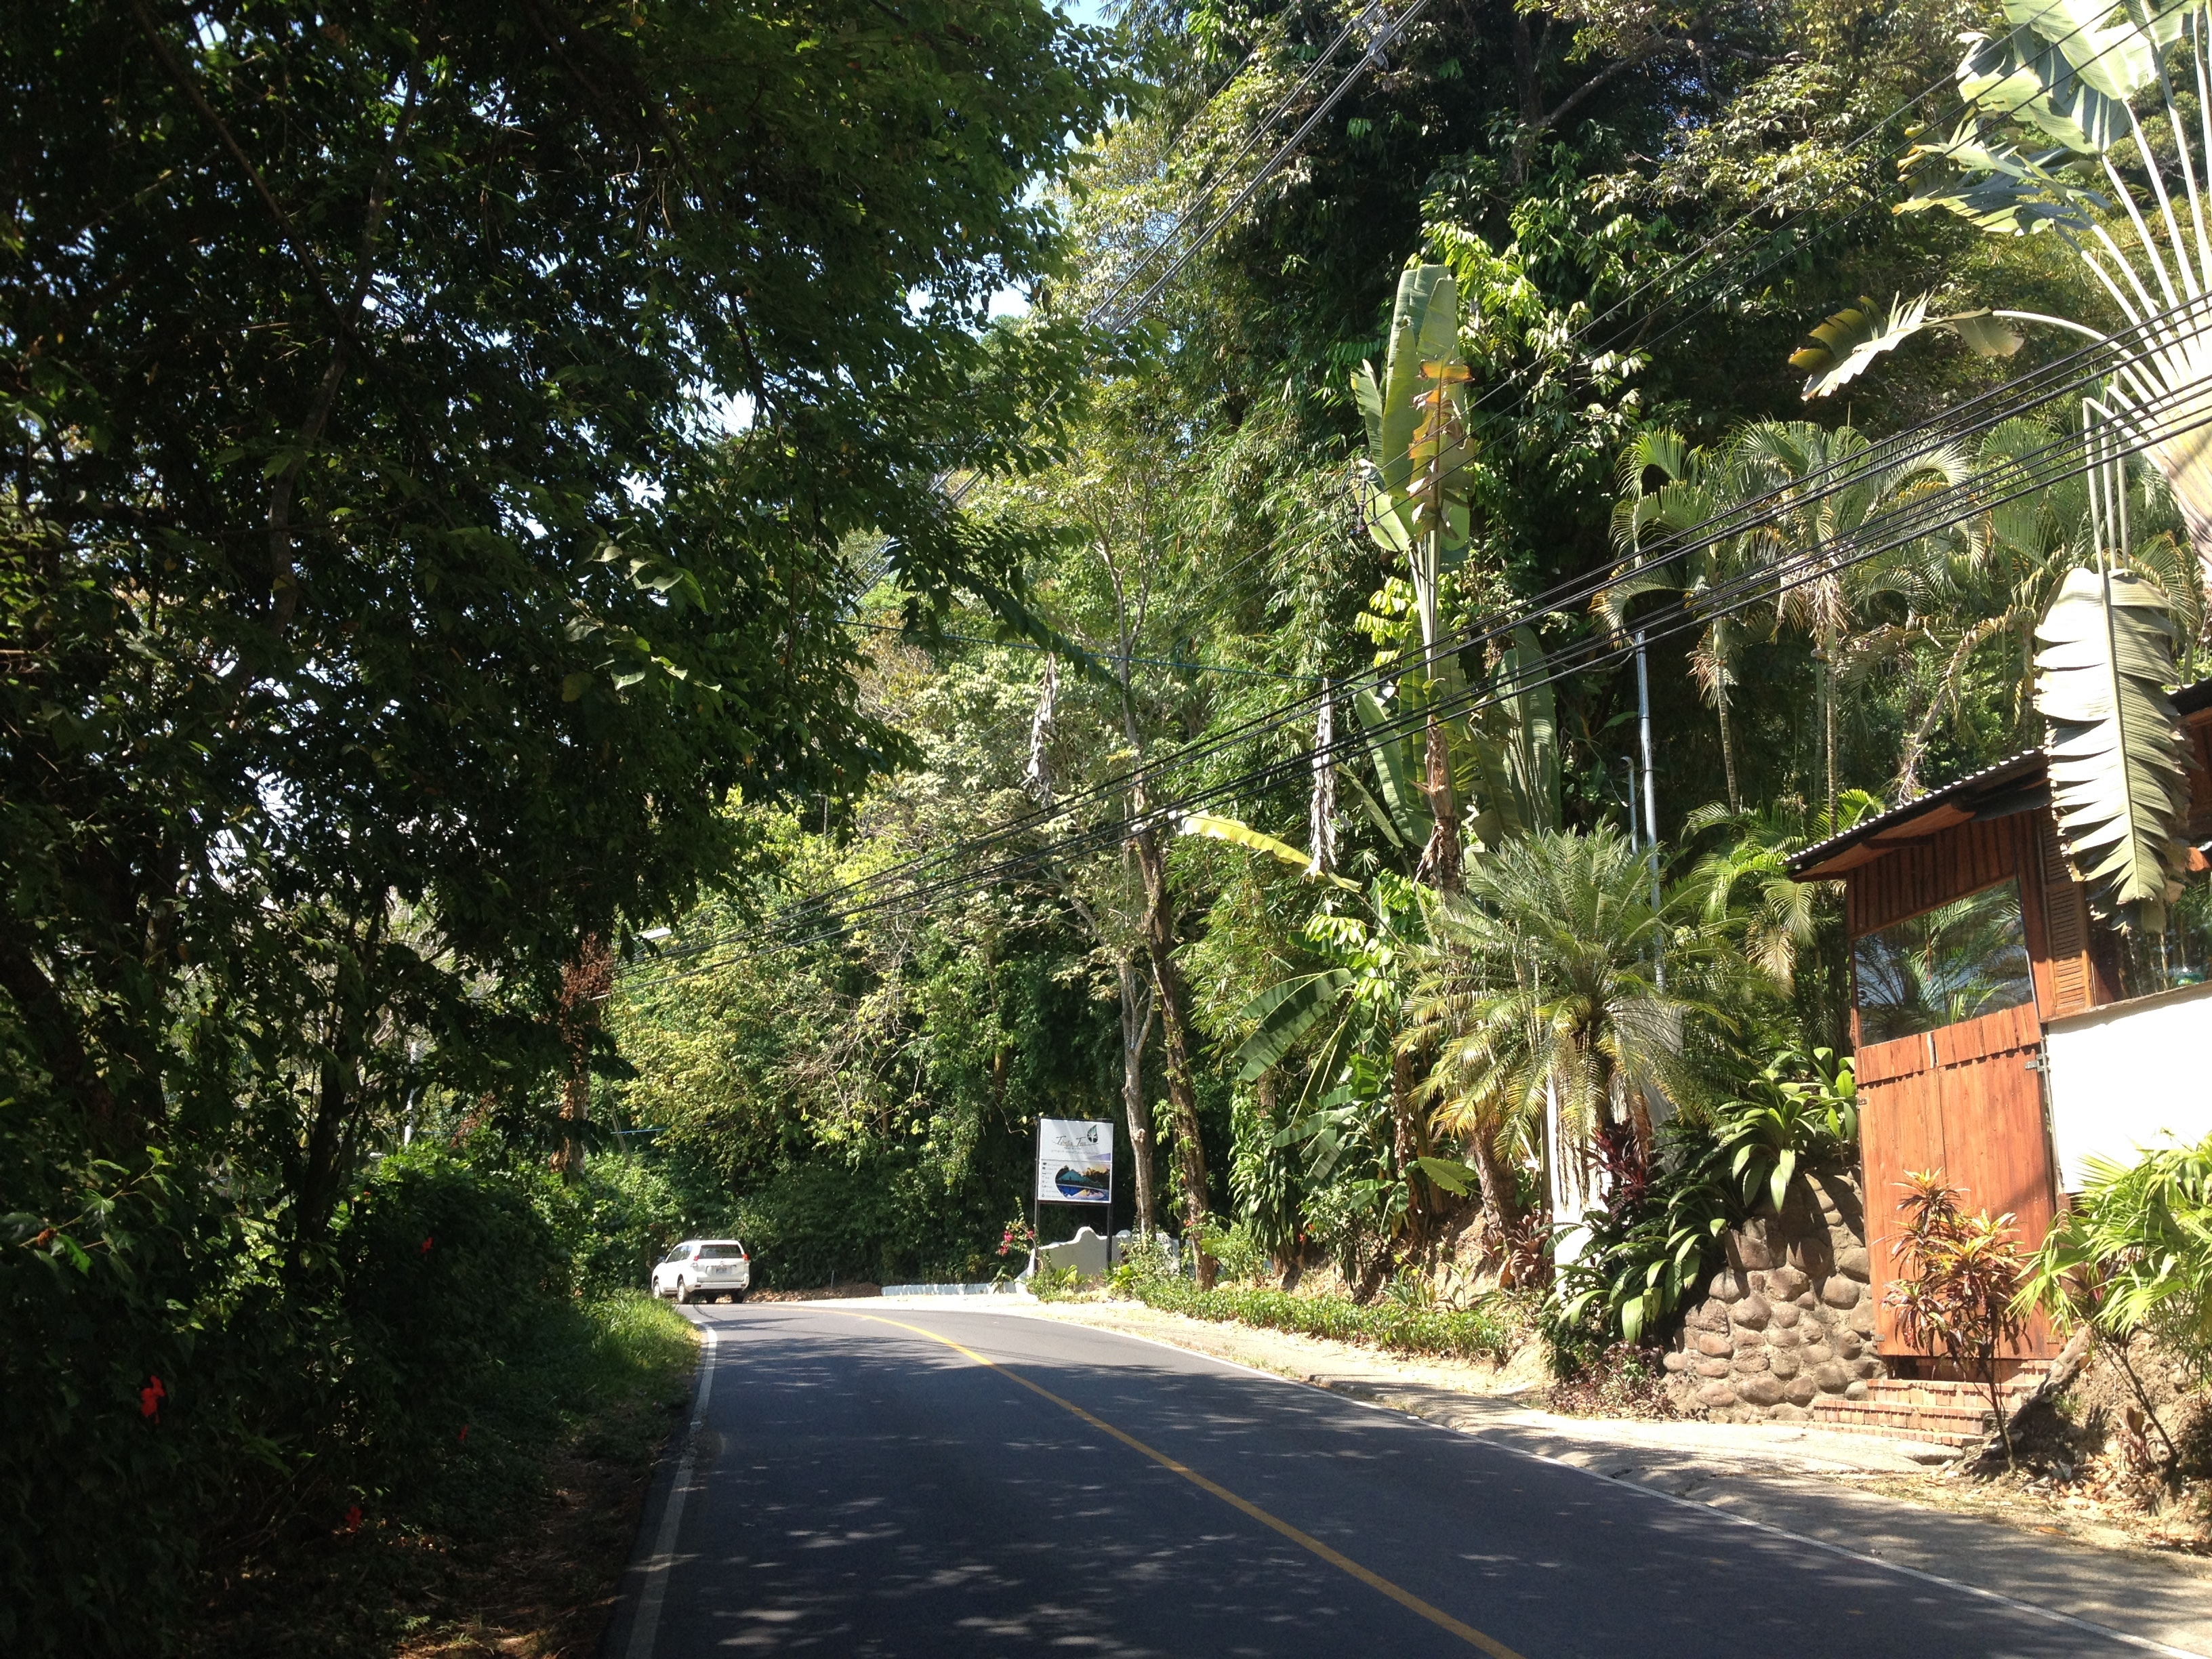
(862, 1486)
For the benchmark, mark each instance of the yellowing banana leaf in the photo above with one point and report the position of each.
(2118, 785)
(1849, 342)
(1243, 835)
(1424, 328)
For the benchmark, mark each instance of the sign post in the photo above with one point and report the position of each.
(1074, 1165)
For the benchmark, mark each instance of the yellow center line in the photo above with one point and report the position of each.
(1404, 1598)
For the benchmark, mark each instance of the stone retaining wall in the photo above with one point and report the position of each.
(1788, 1319)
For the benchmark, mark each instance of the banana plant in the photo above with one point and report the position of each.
(2052, 143)
(1415, 479)
(1503, 755)
(2117, 782)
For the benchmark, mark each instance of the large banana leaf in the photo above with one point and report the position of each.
(1243, 835)
(1424, 328)
(1847, 342)
(1406, 805)
(2119, 784)
(1286, 1012)
(2077, 98)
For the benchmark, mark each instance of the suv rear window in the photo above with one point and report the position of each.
(721, 1253)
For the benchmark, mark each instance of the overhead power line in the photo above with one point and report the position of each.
(2168, 417)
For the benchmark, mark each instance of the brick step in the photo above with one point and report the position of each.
(1883, 1432)
(1950, 1413)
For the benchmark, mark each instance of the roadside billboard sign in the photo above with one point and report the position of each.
(1075, 1161)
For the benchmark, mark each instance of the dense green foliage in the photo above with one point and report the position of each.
(214, 1416)
(442, 444)
(2134, 1252)
(1632, 221)
(540, 614)
(1490, 1334)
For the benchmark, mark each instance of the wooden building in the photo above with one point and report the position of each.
(2004, 1036)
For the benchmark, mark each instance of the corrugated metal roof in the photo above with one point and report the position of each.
(2005, 771)
(2188, 699)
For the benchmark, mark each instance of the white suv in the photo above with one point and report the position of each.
(701, 1268)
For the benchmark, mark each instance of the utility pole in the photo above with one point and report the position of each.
(1651, 794)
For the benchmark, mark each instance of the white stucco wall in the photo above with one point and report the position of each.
(2129, 1078)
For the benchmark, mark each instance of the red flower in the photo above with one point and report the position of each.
(353, 1519)
(465, 1434)
(426, 1247)
(151, 1396)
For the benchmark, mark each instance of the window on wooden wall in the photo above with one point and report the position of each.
(1953, 962)
(2145, 963)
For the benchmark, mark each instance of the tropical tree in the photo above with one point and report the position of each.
(1557, 986)
(1415, 486)
(1693, 488)
(1745, 884)
(2051, 142)
(1823, 488)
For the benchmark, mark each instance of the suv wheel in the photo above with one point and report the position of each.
(682, 1294)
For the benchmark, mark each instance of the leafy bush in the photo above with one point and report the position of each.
(1237, 1253)
(1143, 1257)
(179, 1395)
(1486, 1332)
(2135, 1253)
(1658, 1237)
(1794, 1113)
(618, 1219)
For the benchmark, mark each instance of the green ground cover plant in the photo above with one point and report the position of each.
(1489, 1332)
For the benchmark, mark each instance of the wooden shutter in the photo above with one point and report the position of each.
(2065, 927)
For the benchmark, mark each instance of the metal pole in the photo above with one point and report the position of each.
(1650, 792)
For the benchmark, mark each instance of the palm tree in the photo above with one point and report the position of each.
(1693, 486)
(1540, 985)
(1811, 524)
(1746, 884)
(2000, 585)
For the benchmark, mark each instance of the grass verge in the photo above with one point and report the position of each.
(513, 1546)
(1448, 1332)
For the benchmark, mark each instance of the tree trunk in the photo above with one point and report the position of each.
(584, 986)
(1183, 1091)
(1728, 752)
(1405, 1147)
(1501, 1199)
(1441, 862)
(1134, 1033)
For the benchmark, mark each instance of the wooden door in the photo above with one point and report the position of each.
(1960, 1099)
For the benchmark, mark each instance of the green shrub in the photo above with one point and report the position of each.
(1489, 1332)
(619, 1219)
(1238, 1255)
(1658, 1237)
(293, 1385)
(2134, 1252)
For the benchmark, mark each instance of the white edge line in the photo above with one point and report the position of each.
(651, 1593)
(1489, 1438)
